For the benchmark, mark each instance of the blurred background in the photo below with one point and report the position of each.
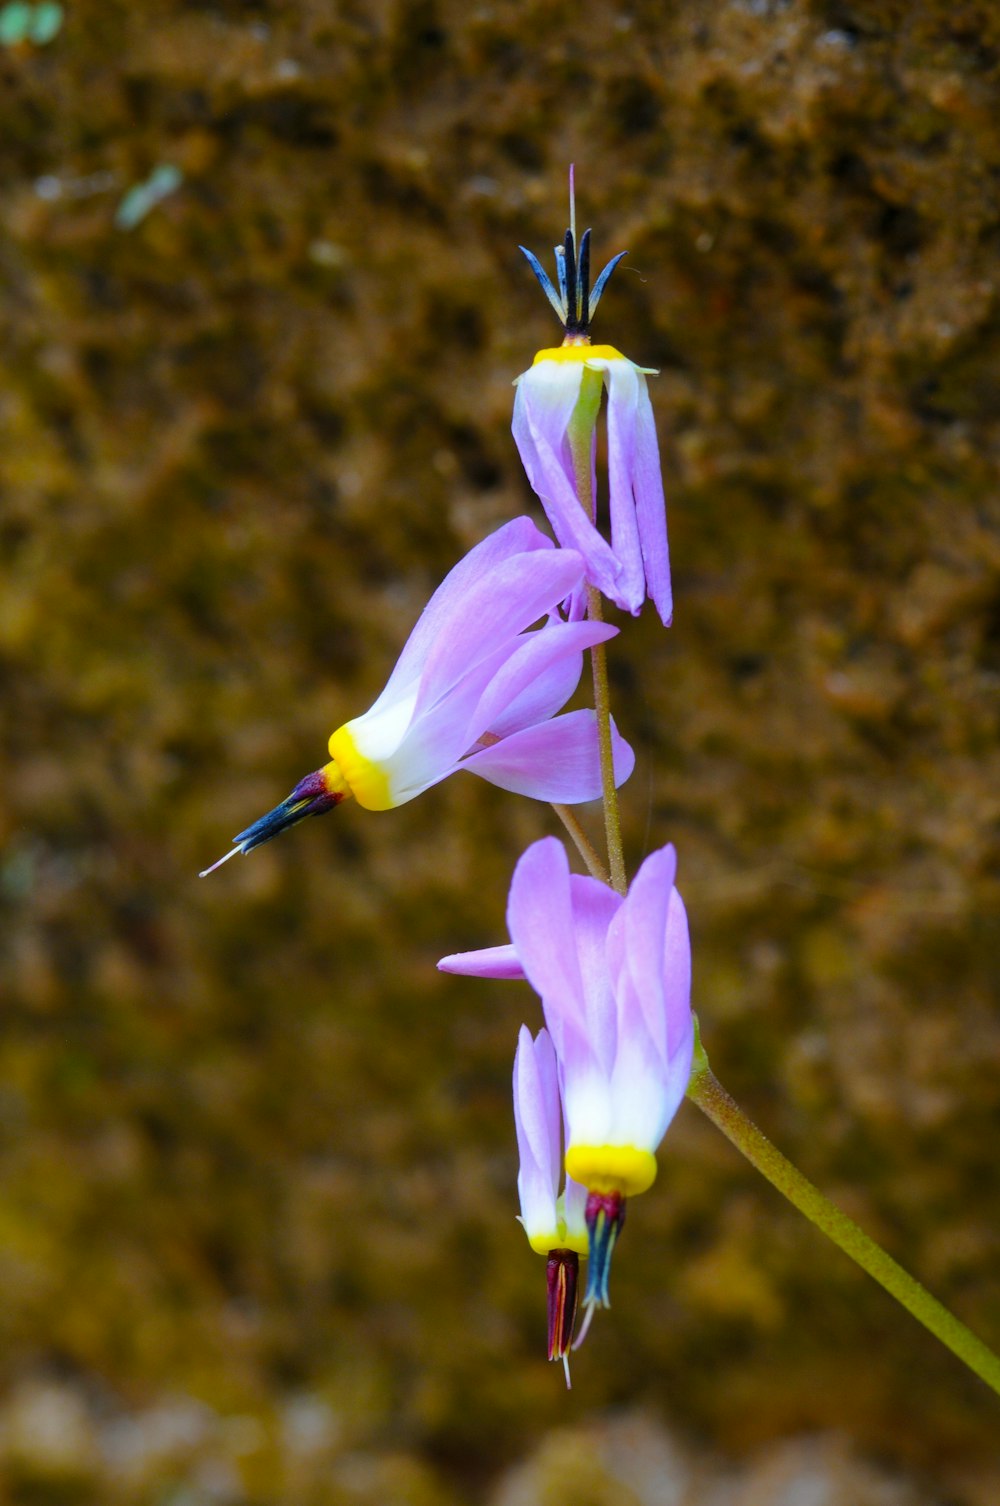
(261, 307)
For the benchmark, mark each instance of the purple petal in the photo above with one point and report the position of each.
(537, 1111)
(538, 678)
(542, 411)
(557, 761)
(677, 977)
(540, 922)
(594, 908)
(575, 1210)
(518, 592)
(623, 386)
(519, 536)
(644, 1097)
(536, 1121)
(650, 507)
(488, 962)
(643, 925)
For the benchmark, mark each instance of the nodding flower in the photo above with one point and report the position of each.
(614, 976)
(556, 405)
(554, 1221)
(477, 687)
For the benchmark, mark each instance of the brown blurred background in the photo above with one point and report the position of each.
(261, 307)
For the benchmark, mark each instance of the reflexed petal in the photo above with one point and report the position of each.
(574, 1207)
(518, 592)
(538, 678)
(594, 908)
(677, 975)
(433, 743)
(587, 1098)
(679, 1074)
(537, 1180)
(540, 922)
(645, 1098)
(519, 536)
(488, 962)
(542, 411)
(643, 924)
(537, 1111)
(650, 507)
(557, 761)
(623, 385)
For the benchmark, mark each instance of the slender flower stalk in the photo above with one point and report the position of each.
(707, 1092)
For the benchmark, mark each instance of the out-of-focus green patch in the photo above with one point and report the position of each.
(39, 24)
(142, 197)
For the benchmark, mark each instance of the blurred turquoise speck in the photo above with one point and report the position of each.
(143, 197)
(15, 22)
(46, 23)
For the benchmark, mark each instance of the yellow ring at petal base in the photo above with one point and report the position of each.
(579, 353)
(544, 1244)
(612, 1168)
(366, 781)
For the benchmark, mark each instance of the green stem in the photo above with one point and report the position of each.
(584, 845)
(711, 1097)
(580, 433)
(602, 708)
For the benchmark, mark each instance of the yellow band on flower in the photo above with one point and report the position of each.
(611, 1168)
(543, 1244)
(366, 781)
(579, 353)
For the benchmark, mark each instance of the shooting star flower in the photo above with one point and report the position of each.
(555, 414)
(614, 976)
(476, 687)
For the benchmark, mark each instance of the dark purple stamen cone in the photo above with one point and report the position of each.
(310, 797)
(561, 1273)
(605, 1218)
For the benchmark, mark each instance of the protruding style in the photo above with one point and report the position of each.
(574, 301)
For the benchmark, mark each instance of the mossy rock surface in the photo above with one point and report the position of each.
(256, 1154)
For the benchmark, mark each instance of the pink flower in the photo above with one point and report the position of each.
(477, 687)
(614, 976)
(555, 410)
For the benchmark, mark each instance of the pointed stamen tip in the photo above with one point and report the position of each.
(588, 1318)
(231, 854)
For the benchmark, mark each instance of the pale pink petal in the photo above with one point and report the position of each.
(519, 536)
(518, 592)
(488, 962)
(643, 921)
(538, 678)
(540, 922)
(536, 1120)
(575, 1211)
(650, 507)
(677, 976)
(539, 427)
(557, 761)
(623, 387)
(536, 1104)
(594, 907)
